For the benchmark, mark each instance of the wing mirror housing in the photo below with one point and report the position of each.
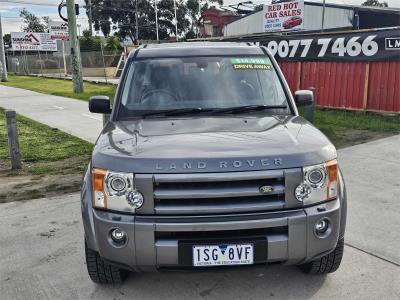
(304, 98)
(100, 105)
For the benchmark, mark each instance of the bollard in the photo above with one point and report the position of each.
(311, 108)
(106, 118)
(13, 143)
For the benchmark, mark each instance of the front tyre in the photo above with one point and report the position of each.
(101, 271)
(326, 264)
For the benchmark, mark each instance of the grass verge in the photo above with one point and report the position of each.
(53, 161)
(347, 128)
(59, 87)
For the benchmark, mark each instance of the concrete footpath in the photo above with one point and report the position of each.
(69, 115)
(41, 241)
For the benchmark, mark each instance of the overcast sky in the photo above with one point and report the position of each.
(9, 10)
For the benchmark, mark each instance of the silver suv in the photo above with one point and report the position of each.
(206, 163)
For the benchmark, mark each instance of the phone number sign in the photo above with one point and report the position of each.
(32, 41)
(352, 46)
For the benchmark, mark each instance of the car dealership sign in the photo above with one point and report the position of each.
(284, 16)
(356, 45)
(32, 41)
(58, 30)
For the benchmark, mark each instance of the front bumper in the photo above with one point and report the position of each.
(155, 242)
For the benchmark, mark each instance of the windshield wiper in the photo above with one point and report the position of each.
(177, 112)
(197, 110)
(247, 108)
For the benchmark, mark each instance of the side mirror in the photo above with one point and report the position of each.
(99, 105)
(304, 98)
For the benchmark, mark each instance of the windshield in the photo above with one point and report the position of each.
(202, 84)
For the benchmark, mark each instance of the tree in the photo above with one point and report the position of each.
(89, 43)
(258, 7)
(46, 20)
(375, 3)
(32, 22)
(113, 44)
(119, 16)
(7, 39)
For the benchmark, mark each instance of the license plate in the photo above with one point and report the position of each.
(223, 255)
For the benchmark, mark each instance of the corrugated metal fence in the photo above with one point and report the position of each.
(372, 86)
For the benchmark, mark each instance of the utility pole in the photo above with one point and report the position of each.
(137, 22)
(75, 49)
(176, 22)
(90, 16)
(4, 76)
(198, 25)
(323, 15)
(155, 4)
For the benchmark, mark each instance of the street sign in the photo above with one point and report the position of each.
(32, 41)
(284, 16)
(58, 30)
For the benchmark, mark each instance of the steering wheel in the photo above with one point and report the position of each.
(147, 99)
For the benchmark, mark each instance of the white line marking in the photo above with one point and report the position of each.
(58, 107)
(91, 117)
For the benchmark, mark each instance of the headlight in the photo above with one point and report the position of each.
(115, 191)
(320, 183)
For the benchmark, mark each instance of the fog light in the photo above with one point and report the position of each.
(135, 199)
(322, 226)
(118, 236)
(302, 192)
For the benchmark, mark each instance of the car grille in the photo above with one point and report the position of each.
(218, 193)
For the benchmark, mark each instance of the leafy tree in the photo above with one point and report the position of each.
(113, 44)
(32, 22)
(46, 20)
(375, 3)
(119, 16)
(89, 43)
(258, 7)
(7, 39)
(193, 8)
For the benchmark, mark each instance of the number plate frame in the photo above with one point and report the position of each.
(222, 249)
(185, 250)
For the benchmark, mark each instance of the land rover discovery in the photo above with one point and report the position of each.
(206, 163)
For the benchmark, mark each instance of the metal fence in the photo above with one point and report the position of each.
(367, 86)
(96, 66)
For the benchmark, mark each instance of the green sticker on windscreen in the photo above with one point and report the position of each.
(251, 63)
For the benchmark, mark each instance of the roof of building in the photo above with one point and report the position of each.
(195, 49)
(352, 7)
(342, 6)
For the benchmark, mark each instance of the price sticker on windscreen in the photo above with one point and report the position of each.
(251, 63)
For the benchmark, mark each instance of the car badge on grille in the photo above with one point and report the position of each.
(265, 189)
